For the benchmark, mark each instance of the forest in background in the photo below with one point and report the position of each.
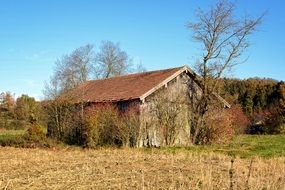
(262, 101)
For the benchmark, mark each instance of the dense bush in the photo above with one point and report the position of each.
(240, 121)
(61, 118)
(35, 132)
(17, 125)
(274, 122)
(103, 126)
(11, 124)
(218, 127)
(129, 128)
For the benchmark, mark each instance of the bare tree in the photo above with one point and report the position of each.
(74, 69)
(79, 66)
(111, 61)
(223, 38)
(51, 88)
(140, 68)
(81, 61)
(70, 71)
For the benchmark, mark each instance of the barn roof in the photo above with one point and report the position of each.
(127, 87)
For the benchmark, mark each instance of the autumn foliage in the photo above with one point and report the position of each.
(240, 120)
(100, 125)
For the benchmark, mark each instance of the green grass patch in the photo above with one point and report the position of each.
(30, 138)
(12, 133)
(244, 146)
(12, 137)
(257, 145)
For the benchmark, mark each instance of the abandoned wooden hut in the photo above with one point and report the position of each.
(145, 91)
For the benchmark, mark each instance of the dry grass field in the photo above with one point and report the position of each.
(74, 168)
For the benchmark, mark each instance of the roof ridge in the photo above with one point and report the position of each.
(130, 74)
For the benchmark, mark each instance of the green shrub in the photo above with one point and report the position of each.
(12, 139)
(35, 132)
(16, 125)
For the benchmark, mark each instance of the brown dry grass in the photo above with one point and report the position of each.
(133, 169)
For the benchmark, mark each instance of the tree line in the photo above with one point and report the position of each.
(19, 113)
(262, 100)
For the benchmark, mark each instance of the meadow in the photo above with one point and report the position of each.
(246, 146)
(248, 162)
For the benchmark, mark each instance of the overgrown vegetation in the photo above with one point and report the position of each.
(101, 125)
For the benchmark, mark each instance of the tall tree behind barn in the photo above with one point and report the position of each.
(223, 38)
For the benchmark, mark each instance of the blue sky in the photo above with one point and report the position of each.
(34, 33)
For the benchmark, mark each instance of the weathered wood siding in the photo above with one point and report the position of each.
(177, 92)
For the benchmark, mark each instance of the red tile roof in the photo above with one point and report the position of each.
(119, 88)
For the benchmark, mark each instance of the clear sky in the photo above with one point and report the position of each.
(34, 33)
